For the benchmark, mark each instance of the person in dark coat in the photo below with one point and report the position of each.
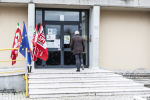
(77, 48)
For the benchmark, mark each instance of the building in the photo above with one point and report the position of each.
(116, 33)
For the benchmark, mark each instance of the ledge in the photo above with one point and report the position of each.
(114, 3)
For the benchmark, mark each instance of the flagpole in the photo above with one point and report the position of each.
(26, 75)
(26, 62)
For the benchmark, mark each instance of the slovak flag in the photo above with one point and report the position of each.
(16, 44)
(41, 47)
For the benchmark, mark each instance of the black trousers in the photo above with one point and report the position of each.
(79, 60)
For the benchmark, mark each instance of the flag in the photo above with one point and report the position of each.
(41, 47)
(34, 44)
(25, 44)
(16, 44)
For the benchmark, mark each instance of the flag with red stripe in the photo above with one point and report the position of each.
(41, 47)
(16, 44)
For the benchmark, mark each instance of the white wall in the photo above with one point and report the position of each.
(124, 40)
(9, 16)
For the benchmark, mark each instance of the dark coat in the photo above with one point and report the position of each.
(76, 44)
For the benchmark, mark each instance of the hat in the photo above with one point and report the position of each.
(76, 32)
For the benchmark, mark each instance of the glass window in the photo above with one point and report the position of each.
(38, 16)
(62, 15)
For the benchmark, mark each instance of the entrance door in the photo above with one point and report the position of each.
(58, 38)
(59, 27)
(68, 31)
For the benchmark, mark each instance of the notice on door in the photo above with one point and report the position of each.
(52, 31)
(66, 39)
(52, 41)
(54, 44)
(57, 43)
(50, 37)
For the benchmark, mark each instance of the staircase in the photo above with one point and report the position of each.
(52, 83)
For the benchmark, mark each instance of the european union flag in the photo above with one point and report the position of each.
(25, 44)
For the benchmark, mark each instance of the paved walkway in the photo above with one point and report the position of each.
(21, 96)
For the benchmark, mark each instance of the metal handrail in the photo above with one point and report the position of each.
(12, 60)
(16, 71)
(9, 49)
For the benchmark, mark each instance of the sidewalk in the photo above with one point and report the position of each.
(21, 96)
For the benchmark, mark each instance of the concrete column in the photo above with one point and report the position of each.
(94, 35)
(31, 24)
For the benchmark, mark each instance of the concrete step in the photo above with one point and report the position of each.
(142, 80)
(80, 78)
(60, 83)
(70, 71)
(80, 85)
(93, 95)
(71, 76)
(88, 90)
(85, 82)
(61, 72)
(104, 81)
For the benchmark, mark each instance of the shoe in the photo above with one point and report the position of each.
(77, 70)
(82, 67)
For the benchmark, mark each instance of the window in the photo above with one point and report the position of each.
(61, 15)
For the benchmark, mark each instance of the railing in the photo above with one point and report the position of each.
(26, 72)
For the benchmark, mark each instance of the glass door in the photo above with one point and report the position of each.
(53, 36)
(69, 30)
(58, 39)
